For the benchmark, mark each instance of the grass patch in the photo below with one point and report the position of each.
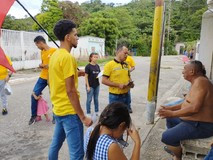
(100, 61)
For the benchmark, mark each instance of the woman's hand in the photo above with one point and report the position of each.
(133, 133)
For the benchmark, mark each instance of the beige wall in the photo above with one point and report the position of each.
(206, 41)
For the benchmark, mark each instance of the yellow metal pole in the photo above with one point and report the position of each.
(156, 41)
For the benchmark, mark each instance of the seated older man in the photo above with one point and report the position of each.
(192, 119)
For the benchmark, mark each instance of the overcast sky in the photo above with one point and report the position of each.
(33, 6)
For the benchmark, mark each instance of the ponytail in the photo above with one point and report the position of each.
(92, 142)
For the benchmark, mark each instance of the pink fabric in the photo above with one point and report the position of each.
(42, 107)
(185, 59)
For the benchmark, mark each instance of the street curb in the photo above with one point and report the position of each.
(22, 80)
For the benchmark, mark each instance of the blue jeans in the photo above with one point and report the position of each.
(71, 128)
(179, 130)
(118, 98)
(39, 87)
(94, 92)
(129, 100)
(175, 102)
(209, 155)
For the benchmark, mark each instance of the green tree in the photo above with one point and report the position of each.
(17, 24)
(143, 45)
(103, 28)
(73, 11)
(93, 6)
(51, 13)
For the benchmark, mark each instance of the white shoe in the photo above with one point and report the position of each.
(89, 115)
(94, 117)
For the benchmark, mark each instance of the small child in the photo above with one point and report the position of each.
(42, 108)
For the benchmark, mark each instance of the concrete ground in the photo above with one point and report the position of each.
(19, 141)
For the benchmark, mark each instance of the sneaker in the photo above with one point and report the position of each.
(32, 120)
(94, 117)
(130, 110)
(89, 115)
(97, 114)
(4, 111)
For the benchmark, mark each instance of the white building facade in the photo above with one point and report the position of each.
(20, 47)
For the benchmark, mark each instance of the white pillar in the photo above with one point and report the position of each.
(206, 39)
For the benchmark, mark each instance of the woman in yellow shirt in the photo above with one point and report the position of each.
(4, 77)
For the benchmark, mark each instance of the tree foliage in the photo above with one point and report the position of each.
(101, 27)
(73, 11)
(50, 14)
(131, 23)
(17, 24)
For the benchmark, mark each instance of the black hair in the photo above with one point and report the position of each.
(90, 56)
(120, 47)
(199, 67)
(39, 39)
(111, 117)
(62, 28)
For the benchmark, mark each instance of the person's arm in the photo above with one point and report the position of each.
(74, 99)
(106, 81)
(116, 153)
(87, 82)
(132, 69)
(81, 73)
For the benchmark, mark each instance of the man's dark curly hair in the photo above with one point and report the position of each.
(62, 28)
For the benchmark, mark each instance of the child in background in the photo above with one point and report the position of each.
(42, 108)
(92, 83)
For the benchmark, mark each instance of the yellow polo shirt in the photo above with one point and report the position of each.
(117, 73)
(61, 66)
(45, 57)
(130, 61)
(3, 70)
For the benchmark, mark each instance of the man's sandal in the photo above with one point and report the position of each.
(168, 151)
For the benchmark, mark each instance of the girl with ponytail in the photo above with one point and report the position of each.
(101, 143)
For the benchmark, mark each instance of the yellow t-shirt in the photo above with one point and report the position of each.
(117, 73)
(61, 66)
(45, 57)
(130, 61)
(3, 70)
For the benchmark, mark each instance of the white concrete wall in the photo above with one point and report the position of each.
(82, 49)
(28, 64)
(20, 47)
(206, 42)
(86, 45)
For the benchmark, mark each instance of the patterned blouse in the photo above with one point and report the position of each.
(102, 145)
